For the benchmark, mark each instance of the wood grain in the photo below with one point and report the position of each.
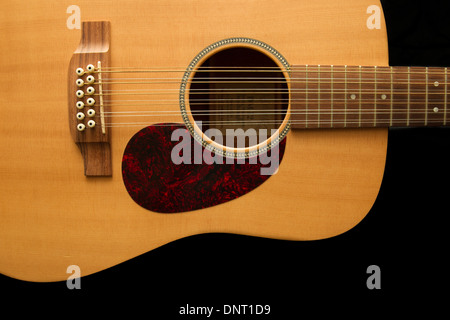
(52, 216)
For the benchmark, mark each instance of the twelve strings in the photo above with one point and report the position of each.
(322, 84)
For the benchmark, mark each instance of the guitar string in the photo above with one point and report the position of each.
(260, 90)
(270, 90)
(349, 100)
(313, 88)
(264, 80)
(255, 91)
(157, 103)
(342, 75)
(306, 68)
(258, 114)
(335, 109)
(327, 111)
(307, 124)
(386, 96)
(320, 69)
(291, 79)
(280, 100)
(348, 113)
(261, 112)
(349, 91)
(273, 69)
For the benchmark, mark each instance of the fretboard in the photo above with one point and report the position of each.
(326, 96)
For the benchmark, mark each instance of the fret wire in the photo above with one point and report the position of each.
(426, 95)
(408, 96)
(375, 97)
(345, 95)
(392, 98)
(318, 95)
(331, 95)
(306, 95)
(445, 98)
(360, 95)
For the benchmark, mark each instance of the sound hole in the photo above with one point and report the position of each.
(241, 94)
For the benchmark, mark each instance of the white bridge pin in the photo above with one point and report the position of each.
(80, 115)
(90, 79)
(90, 68)
(80, 82)
(79, 71)
(90, 101)
(80, 105)
(91, 123)
(80, 93)
(90, 90)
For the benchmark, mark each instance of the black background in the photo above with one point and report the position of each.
(404, 234)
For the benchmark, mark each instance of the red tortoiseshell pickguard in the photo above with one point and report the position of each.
(157, 184)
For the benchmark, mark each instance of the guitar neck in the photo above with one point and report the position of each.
(327, 96)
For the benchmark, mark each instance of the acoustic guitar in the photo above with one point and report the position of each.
(125, 127)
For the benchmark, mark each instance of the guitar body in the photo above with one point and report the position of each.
(53, 216)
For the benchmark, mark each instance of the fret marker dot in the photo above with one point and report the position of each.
(383, 96)
(353, 96)
(436, 83)
(436, 109)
